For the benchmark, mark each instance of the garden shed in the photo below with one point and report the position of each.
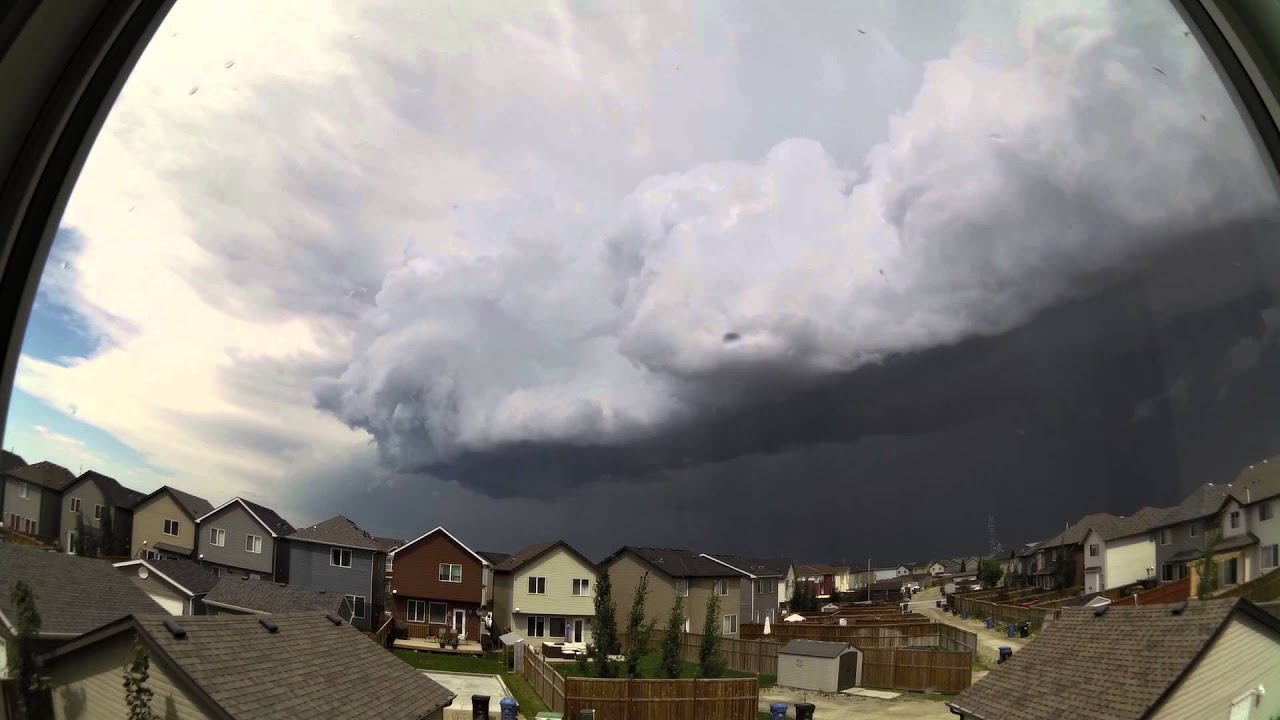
(818, 665)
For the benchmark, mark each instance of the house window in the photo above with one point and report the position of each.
(1228, 572)
(580, 586)
(450, 573)
(722, 587)
(1234, 519)
(729, 625)
(760, 587)
(1183, 571)
(217, 537)
(253, 544)
(557, 627)
(1265, 512)
(75, 504)
(24, 490)
(438, 612)
(537, 585)
(1166, 572)
(682, 588)
(171, 527)
(358, 608)
(1270, 556)
(1195, 530)
(340, 557)
(1093, 549)
(389, 559)
(97, 512)
(1166, 536)
(153, 555)
(417, 611)
(537, 627)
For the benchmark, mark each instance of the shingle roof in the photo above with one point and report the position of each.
(1237, 541)
(1111, 667)
(388, 544)
(814, 648)
(73, 594)
(680, 563)
(337, 530)
(190, 574)
(1201, 502)
(278, 525)
(1111, 526)
(195, 505)
(115, 494)
(9, 461)
(768, 567)
(307, 668)
(45, 473)
(523, 555)
(824, 569)
(493, 557)
(270, 597)
(1257, 482)
(174, 549)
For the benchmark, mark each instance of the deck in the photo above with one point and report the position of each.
(424, 645)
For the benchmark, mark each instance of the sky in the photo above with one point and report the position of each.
(835, 283)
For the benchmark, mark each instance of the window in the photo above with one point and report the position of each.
(340, 557)
(171, 527)
(1195, 530)
(417, 611)
(538, 585)
(389, 559)
(1270, 556)
(1183, 571)
(722, 587)
(450, 573)
(760, 587)
(729, 625)
(1228, 572)
(1234, 519)
(682, 588)
(438, 613)
(1166, 536)
(153, 555)
(537, 627)
(1166, 572)
(24, 490)
(581, 586)
(557, 627)
(97, 512)
(217, 537)
(357, 606)
(253, 544)
(1265, 511)
(75, 504)
(1093, 549)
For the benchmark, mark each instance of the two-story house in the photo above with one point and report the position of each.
(338, 556)
(1059, 561)
(1120, 551)
(164, 524)
(1257, 492)
(675, 573)
(103, 508)
(765, 585)
(1180, 536)
(545, 593)
(438, 584)
(33, 498)
(493, 558)
(241, 537)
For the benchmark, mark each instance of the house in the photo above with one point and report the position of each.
(10, 460)
(545, 592)
(1256, 491)
(101, 507)
(439, 584)
(819, 666)
(338, 556)
(237, 595)
(903, 570)
(1120, 551)
(299, 665)
(828, 580)
(178, 585)
(493, 558)
(388, 546)
(936, 568)
(1204, 660)
(765, 586)
(1180, 536)
(676, 573)
(164, 524)
(73, 594)
(244, 538)
(33, 498)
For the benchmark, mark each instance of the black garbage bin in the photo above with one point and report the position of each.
(479, 707)
(804, 711)
(1024, 629)
(402, 630)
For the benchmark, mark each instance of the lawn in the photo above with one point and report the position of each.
(491, 664)
(651, 668)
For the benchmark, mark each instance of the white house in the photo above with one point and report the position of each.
(1111, 561)
(1249, 521)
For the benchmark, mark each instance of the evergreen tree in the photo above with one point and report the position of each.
(989, 573)
(639, 631)
(673, 641)
(1207, 568)
(77, 540)
(137, 694)
(107, 537)
(604, 628)
(710, 661)
(31, 697)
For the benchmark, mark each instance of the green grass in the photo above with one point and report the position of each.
(530, 703)
(980, 663)
(651, 668)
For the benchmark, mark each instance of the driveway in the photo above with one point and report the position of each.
(464, 685)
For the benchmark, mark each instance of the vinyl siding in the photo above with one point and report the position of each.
(559, 567)
(238, 524)
(88, 685)
(1244, 656)
(148, 525)
(502, 605)
(28, 507)
(89, 495)
(700, 592)
(757, 606)
(1180, 540)
(808, 673)
(417, 571)
(156, 588)
(625, 572)
(1127, 560)
(309, 567)
(1224, 519)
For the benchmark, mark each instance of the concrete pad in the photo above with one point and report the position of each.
(877, 694)
(464, 685)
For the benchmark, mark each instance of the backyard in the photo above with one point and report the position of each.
(490, 664)
(651, 668)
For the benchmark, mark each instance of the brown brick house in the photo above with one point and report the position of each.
(438, 583)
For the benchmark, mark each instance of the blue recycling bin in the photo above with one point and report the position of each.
(1006, 652)
(510, 708)
(1011, 629)
(991, 622)
(778, 711)
(964, 614)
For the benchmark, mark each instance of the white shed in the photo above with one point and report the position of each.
(821, 666)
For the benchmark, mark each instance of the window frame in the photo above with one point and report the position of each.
(581, 587)
(551, 627)
(715, 588)
(253, 544)
(1166, 569)
(1265, 508)
(363, 605)
(339, 551)
(409, 613)
(1195, 530)
(444, 613)
(74, 505)
(447, 575)
(536, 585)
(386, 566)
(177, 527)
(724, 624)
(98, 511)
(217, 537)
(1094, 550)
(24, 490)
(1270, 556)
(682, 587)
(536, 623)
(1164, 536)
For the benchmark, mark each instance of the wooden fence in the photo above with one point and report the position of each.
(380, 635)
(753, 656)
(1002, 613)
(917, 670)
(728, 699)
(1260, 589)
(545, 681)
(866, 637)
(1167, 593)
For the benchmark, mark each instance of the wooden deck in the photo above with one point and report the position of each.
(464, 648)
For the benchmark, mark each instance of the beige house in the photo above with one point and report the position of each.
(675, 573)
(545, 593)
(164, 524)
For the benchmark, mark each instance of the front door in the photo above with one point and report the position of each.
(579, 626)
(460, 622)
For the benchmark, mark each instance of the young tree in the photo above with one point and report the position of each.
(604, 627)
(137, 694)
(710, 661)
(639, 631)
(107, 536)
(21, 655)
(990, 573)
(1207, 568)
(77, 540)
(673, 641)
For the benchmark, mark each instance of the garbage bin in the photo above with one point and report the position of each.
(937, 603)
(804, 711)
(1006, 652)
(587, 714)
(991, 622)
(1025, 629)
(964, 614)
(778, 711)
(1012, 629)
(402, 630)
(510, 708)
(479, 707)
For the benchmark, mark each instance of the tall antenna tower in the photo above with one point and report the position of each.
(993, 545)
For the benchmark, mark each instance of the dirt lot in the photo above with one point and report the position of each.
(847, 706)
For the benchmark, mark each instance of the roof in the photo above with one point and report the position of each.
(456, 541)
(814, 648)
(387, 544)
(194, 505)
(174, 549)
(264, 596)
(678, 563)
(62, 583)
(1236, 542)
(115, 494)
(1113, 666)
(824, 569)
(1112, 526)
(1257, 482)
(188, 576)
(265, 516)
(45, 474)
(1202, 502)
(307, 667)
(9, 461)
(771, 567)
(337, 530)
(535, 551)
(493, 557)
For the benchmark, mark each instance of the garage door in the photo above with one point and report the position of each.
(168, 603)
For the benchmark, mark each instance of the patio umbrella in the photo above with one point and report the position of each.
(767, 629)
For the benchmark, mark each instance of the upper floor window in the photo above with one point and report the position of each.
(390, 557)
(75, 504)
(1166, 536)
(253, 544)
(1234, 519)
(217, 537)
(1195, 530)
(340, 557)
(24, 490)
(722, 587)
(1093, 549)
(171, 527)
(450, 572)
(580, 586)
(1265, 511)
(760, 587)
(537, 586)
(1271, 556)
(682, 588)
(97, 512)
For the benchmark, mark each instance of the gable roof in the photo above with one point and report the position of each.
(824, 569)
(193, 505)
(307, 667)
(264, 596)
(1110, 527)
(186, 576)
(114, 494)
(678, 563)
(45, 474)
(530, 553)
(337, 530)
(387, 544)
(1116, 666)
(493, 557)
(73, 594)
(448, 534)
(771, 567)
(263, 515)
(814, 648)
(1260, 481)
(9, 461)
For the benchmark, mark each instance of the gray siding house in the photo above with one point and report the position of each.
(339, 557)
(244, 538)
(101, 507)
(763, 587)
(33, 498)
(1180, 536)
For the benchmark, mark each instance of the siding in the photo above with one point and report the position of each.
(700, 592)
(758, 606)
(809, 673)
(625, 572)
(89, 495)
(148, 525)
(1180, 540)
(1224, 519)
(1244, 656)
(502, 606)
(156, 587)
(1128, 559)
(417, 571)
(309, 567)
(238, 524)
(28, 507)
(88, 685)
(559, 567)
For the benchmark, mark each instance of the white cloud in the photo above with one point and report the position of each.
(57, 436)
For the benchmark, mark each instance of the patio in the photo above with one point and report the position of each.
(465, 647)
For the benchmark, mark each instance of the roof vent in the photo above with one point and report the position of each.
(333, 619)
(270, 626)
(1179, 608)
(1101, 610)
(175, 629)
